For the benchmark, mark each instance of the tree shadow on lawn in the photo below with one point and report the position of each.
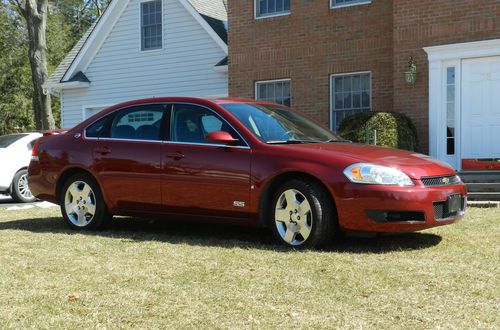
(220, 235)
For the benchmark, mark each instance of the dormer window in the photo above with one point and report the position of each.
(151, 25)
(269, 8)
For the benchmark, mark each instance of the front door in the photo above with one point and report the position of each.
(481, 108)
(199, 177)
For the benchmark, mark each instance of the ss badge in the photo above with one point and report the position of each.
(238, 204)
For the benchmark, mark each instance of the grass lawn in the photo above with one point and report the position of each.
(142, 274)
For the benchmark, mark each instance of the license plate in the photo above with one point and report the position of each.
(454, 203)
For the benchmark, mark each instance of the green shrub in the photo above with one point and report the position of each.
(393, 129)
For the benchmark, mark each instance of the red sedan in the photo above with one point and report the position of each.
(238, 161)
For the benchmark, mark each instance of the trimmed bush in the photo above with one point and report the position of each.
(393, 129)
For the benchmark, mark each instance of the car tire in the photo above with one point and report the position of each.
(82, 203)
(20, 190)
(302, 215)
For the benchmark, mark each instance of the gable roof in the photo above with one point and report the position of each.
(209, 13)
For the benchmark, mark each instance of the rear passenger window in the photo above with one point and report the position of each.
(138, 123)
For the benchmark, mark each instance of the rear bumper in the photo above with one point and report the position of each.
(42, 184)
(371, 208)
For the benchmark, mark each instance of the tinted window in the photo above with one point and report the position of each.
(138, 123)
(99, 129)
(7, 140)
(192, 123)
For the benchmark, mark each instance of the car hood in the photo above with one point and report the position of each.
(413, 164)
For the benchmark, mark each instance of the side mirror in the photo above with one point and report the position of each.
(221, 137)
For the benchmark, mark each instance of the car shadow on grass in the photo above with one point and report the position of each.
(220, 235)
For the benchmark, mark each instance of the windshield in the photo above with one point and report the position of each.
(7, 140)
(272, 124)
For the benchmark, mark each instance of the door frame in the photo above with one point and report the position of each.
(440, 58)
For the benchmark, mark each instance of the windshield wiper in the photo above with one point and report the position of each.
(291, 141)
(336, 140)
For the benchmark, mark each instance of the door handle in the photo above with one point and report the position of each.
(175, 155)
(102, 150)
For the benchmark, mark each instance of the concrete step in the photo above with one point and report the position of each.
(483, 187)
(484, 196)
(480, 176)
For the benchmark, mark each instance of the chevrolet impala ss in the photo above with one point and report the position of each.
(238, 161)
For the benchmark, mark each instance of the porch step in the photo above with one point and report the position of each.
(483, 196)
(480, 176)
(482, 185)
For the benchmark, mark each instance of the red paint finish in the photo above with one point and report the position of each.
(206, 180)
(232, 183)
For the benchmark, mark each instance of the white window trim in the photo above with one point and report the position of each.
(257, 83)
(88, 107)
(331, 91)
(255, 16)
(162, 29)
(439, 58)
(360, 3)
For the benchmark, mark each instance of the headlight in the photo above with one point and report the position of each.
(376, 174)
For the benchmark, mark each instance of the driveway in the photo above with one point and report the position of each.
(6, 202)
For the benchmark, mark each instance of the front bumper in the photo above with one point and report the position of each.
(376, 208)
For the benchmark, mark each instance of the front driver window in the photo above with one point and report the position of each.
(192, 123)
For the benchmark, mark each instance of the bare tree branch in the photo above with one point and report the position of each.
(20, 5)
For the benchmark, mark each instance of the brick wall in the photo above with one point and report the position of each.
(309, 45)
(315, 41)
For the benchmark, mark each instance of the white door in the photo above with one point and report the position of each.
(480, 136)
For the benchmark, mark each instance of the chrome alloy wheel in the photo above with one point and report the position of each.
(80, 203)
(293, 217)
(23, 188)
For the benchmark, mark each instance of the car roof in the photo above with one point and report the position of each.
(207, 101)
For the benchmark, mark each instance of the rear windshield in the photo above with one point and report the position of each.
(7, 140)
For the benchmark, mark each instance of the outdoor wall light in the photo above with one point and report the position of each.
(411, 74)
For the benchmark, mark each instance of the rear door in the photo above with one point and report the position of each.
(128, 159)
(203, 178)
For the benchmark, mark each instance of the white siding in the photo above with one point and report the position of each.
(120, 71)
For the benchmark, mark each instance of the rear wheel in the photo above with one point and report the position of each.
(82, 204)
(303, 214)
(20, 190)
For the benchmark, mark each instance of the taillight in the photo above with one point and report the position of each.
(34, 151)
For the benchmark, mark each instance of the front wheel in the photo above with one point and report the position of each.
(82, 204)
(303, 214)
(21, 192)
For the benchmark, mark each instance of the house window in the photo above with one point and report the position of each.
(277, 91)
(450, 111)
(266, 8)
(151, 25)
(350, 94)
(347, 3)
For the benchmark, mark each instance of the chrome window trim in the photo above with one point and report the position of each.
(206, 144)
(247, 146)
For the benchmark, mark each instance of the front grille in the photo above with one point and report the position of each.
(433, 181)
(441, 212)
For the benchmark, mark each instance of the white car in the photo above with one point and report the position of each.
(15, 156)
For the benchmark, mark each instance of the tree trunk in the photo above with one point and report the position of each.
(35, 12)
